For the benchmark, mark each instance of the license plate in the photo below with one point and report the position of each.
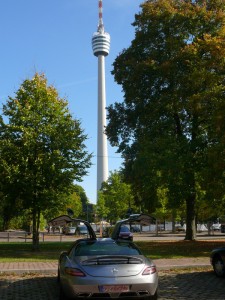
(114, 288)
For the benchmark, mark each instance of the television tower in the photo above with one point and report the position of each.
(100, 46)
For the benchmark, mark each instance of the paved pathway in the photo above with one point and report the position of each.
(179, 279)
(28, 267)
(51, 267)
(194, 285)
(173, 285)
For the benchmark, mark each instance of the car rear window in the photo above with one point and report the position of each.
(86, 248)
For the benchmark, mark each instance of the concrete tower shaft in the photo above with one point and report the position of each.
(101, 46)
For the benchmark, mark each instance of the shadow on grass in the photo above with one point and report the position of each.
(23, 252)
(50, 251)
(178, 249)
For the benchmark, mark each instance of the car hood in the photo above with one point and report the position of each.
(112, 266)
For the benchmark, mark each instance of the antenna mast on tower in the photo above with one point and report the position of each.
(100, 19)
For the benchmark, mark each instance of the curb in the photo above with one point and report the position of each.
(28, 272)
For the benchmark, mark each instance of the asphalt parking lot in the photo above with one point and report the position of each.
(200, 284)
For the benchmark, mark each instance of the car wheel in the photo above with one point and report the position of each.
(218, 266)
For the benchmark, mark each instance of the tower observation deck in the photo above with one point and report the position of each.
(101, 43)
(100, 47)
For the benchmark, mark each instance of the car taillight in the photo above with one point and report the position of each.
(74, 272)
(149, 270)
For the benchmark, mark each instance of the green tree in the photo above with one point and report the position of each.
(75, 204)
(171, 118)
(162, 212)
(71, 201)
(116, 196)
(102, 210)
(42, 149)
(84, 201)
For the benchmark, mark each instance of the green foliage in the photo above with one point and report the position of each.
(162, 212)
(115, 198)
(171, 121)
(84, 201)
(42, 150)
(101, 209)
(22, 221)
(75, 204)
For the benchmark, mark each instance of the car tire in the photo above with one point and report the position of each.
(218, 266)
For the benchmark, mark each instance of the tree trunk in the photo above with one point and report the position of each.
(5, 224)
(173, 221)
(190, 218)
(36, 221)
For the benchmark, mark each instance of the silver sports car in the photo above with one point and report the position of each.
(106, 268)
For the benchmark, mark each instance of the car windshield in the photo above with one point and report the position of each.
(93, 248)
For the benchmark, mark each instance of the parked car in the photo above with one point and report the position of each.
(180, 228)
(106, 268)
(81, 230)
(135, 229)
(217, 259)
(216, 227)
(69, 230)
(125, 233)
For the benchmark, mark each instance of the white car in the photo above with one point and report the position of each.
(69, 230)
(216, 227)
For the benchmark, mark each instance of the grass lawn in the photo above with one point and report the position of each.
(49, 251)
(179, 249)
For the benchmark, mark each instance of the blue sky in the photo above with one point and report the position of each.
(54, 37)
